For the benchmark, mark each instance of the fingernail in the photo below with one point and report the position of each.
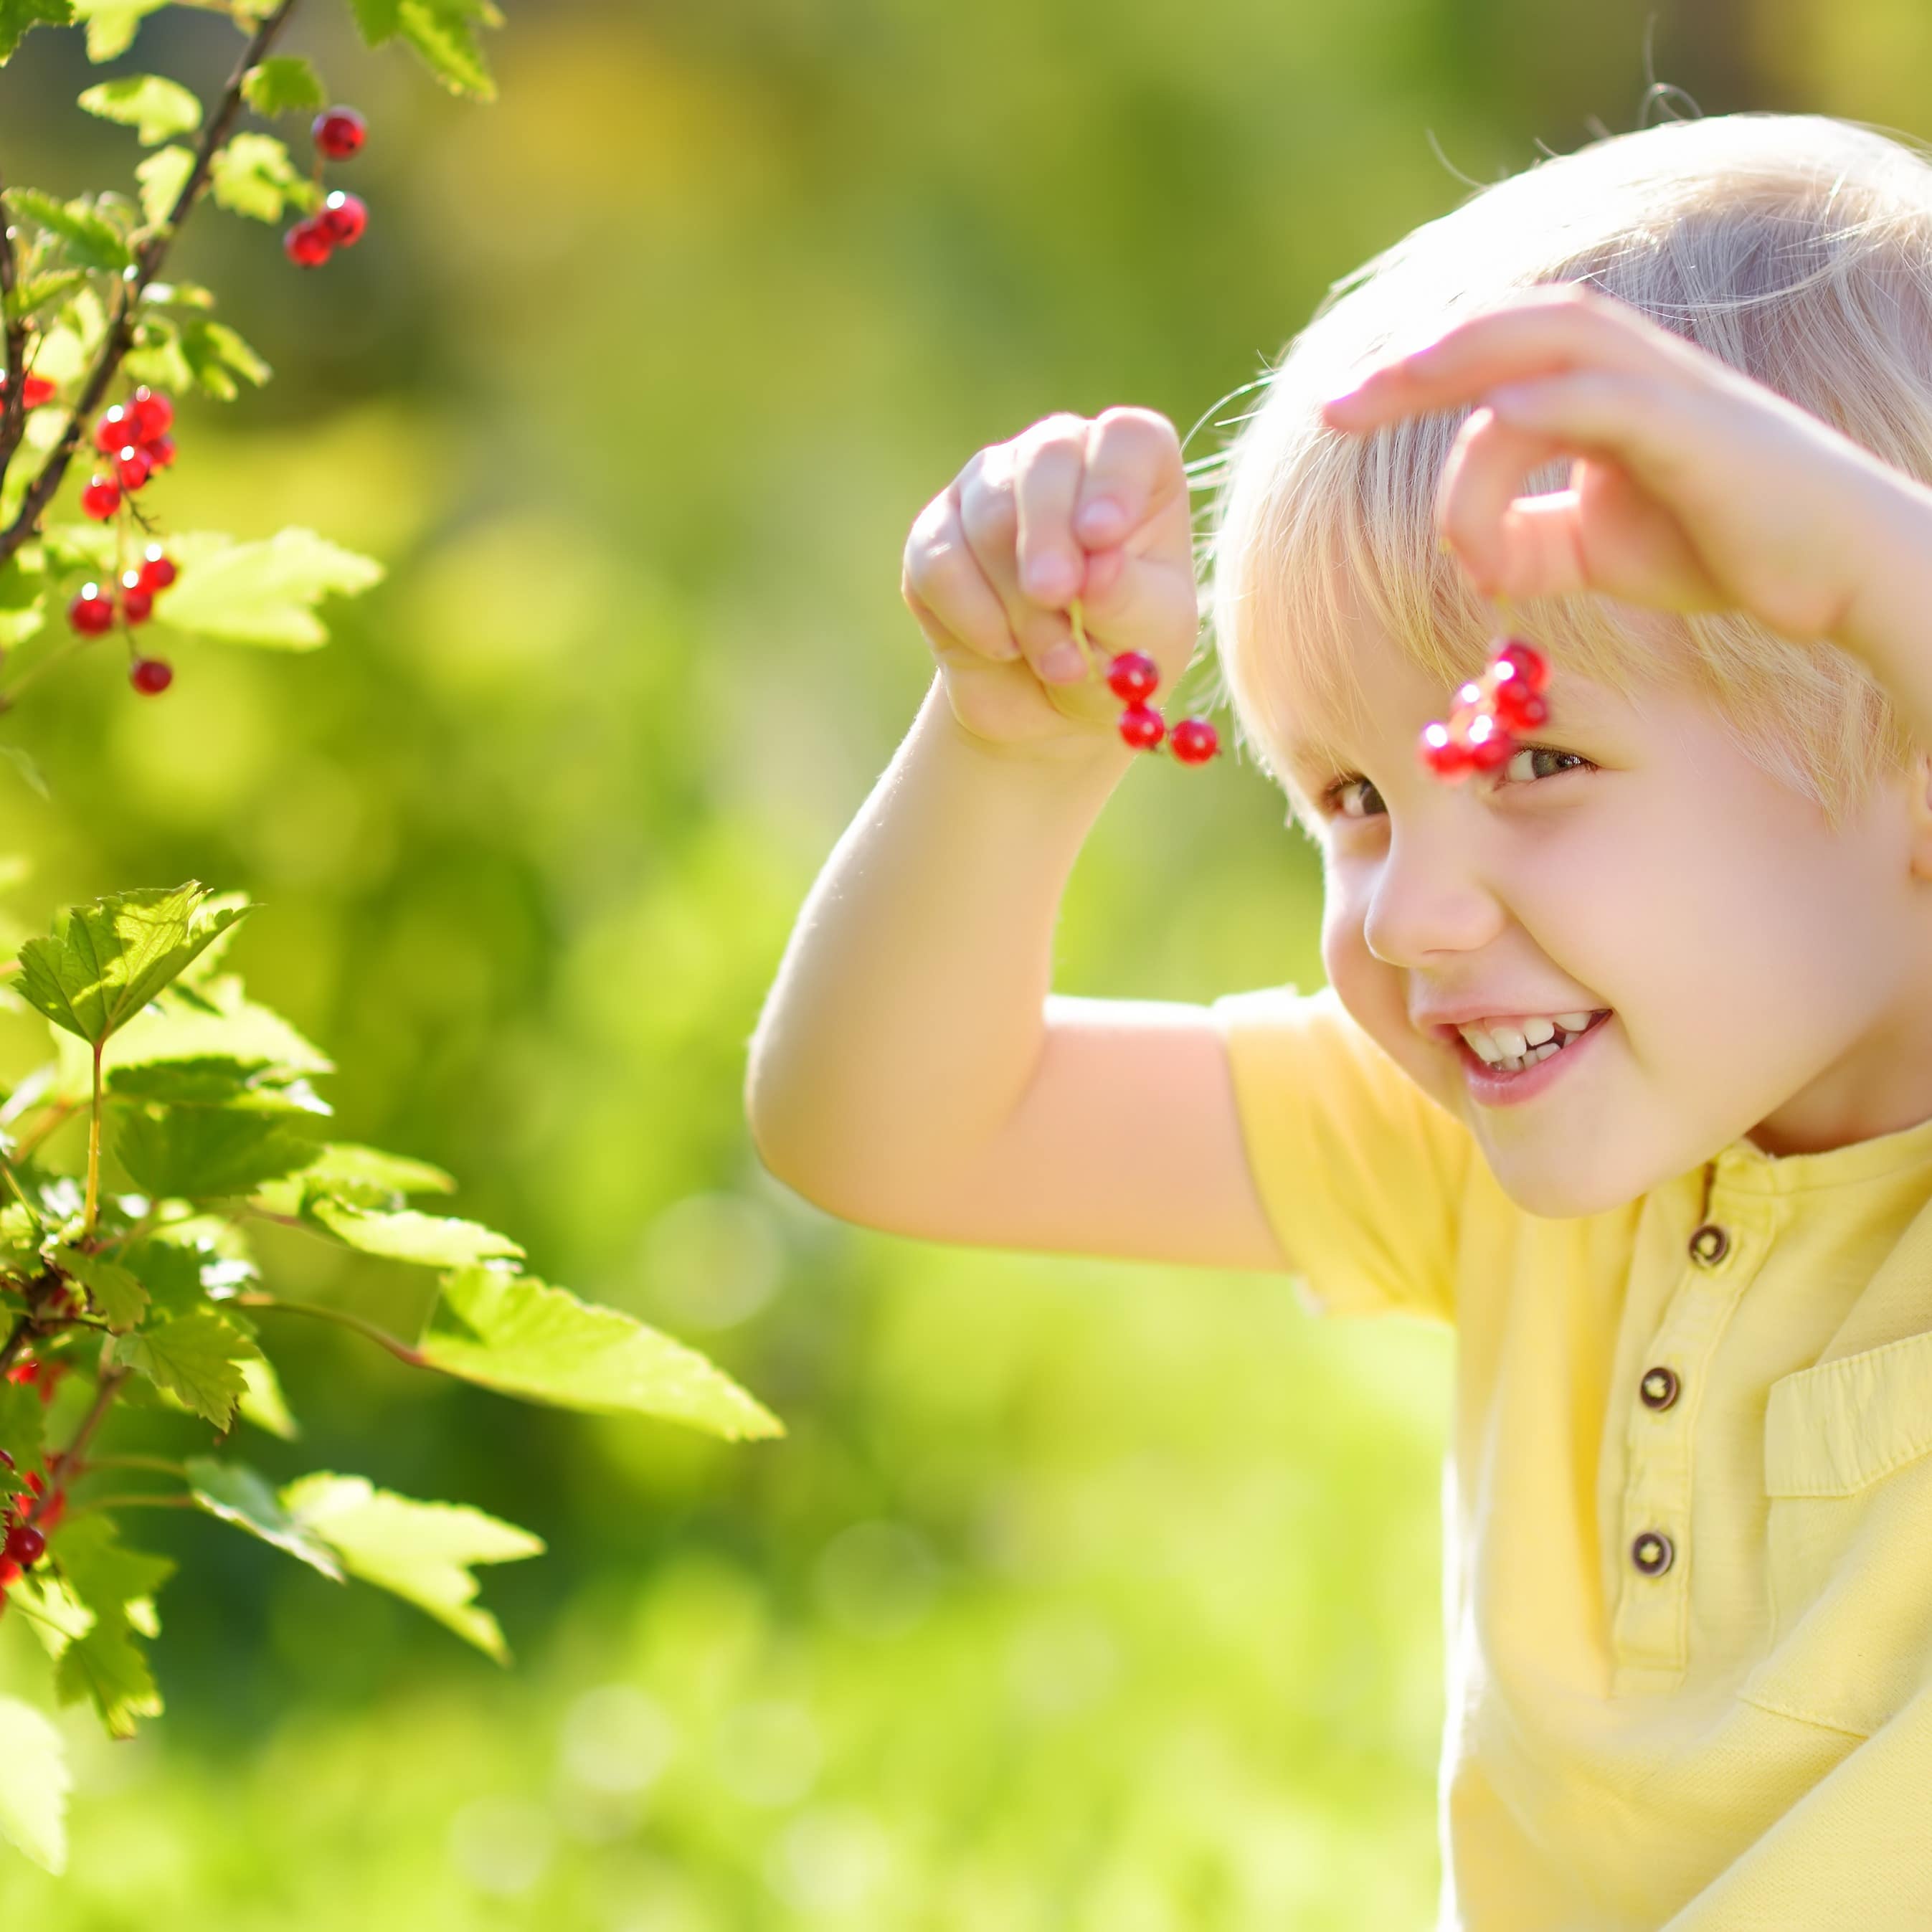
(1063, 664)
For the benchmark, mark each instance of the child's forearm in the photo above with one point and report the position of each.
(1888, 625)
(907, 1016)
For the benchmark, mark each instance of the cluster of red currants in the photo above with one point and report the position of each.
(25, 1542)
(1133, 676)
(35, 391)
(339, 221)
(134, 435)
(1479, 736)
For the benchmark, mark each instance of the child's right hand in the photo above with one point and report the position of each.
(1071, 507)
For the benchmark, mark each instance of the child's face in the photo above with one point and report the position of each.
(1765, 977)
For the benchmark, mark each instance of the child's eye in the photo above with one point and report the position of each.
(1336, 800)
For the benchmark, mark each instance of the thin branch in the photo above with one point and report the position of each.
(132, 285)
(15, 1342)
(13, 408)
(130, 1502)
(167, 1467)
(104, 1398)
(401, 1350)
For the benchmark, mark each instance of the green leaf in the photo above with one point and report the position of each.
(104, 962)
(171, 1272)
(17, 16)
(35, 293)
(515, 1334)
(265, 593)
(155, 107)
(344, 1164)
(216, 1080)
(203, 1153)
(116, 1585)
(163, 175)
(216, 356)
(441, 31)
(34, 1783)
(252, 174)
(421, 1551)
(262, 1403)
(21, 1428)
(429, 1240)
(283, 85)
(117, 1294)
(111, 24)
(236, 1493)
(196, 1357)
(92, 239)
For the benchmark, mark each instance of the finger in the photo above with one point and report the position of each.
(1543, 331)
(1047, 468)
(1134, 470)
(989, 516)
(942, 577)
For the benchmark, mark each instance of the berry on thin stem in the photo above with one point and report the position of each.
(339, 132)
(307, 243)
(1133, 676)
(150, 675)
(343, 217)
(90, 614)
(101, 498)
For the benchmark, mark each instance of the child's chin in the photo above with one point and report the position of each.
(1560, 1190)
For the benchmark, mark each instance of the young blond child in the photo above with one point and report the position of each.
(1686, 1254)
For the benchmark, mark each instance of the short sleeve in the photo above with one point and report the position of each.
(1360, 1173)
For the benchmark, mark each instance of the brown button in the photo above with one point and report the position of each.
(1710, 1244)
(1659, 1387)
(1651, 1553)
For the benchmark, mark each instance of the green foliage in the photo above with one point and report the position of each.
(196, 1358)
(155, 107)
(519, 1336)
(17, 16)
(284, 85)
(265, 593)
(162, 176)
(253, 175)
(428, 1240)
(112, 25)
(443, 32)
(237, 1494)
(423, 1551)
(86, 226)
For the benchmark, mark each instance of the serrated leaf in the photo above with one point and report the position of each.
(196, 1356)
(265, 593)
(284, 85)
(429, 1240)
(252, 174)
(155, 107)
(111, 24)
(236, 1493)
(171, 1272)
(163, 175)
(421, 1551)
(32, 293)
(115, 1585)
(362, 1177)
(34, 1782)
(214, 1080)
(517, 1334)
(214, 355)
(205, 1154)
(441, 31)
(105, 961)
(117, 1293)
(92, 239)
(21, 1428)
(17, 16)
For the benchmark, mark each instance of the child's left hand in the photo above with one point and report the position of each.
(1693, 488)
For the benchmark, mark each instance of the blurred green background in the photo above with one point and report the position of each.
(1079, 1594)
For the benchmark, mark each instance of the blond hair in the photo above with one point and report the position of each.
(1797, 247)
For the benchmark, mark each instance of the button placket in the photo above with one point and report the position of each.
(1653, 1598)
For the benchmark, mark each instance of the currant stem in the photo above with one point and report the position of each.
(93, 1148)
(403, 1352)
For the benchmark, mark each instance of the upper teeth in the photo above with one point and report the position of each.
(1501, 1040)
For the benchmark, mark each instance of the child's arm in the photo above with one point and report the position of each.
(912, 1070)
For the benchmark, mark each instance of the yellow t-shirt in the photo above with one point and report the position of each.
(1688, 1511)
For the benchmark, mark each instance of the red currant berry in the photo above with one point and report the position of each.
(1517, 708)
(343, 218)
(34, 391)
(26, 1545)
(1193, 741)
(158, 569)
(154, 415)
(1132, 675)
(1443, 752)
(132, 465)
(1531, 664)
(28, 1370)
(160, 451)
(1488, 746)
(10, 1572)
(114, 430)
(90, 614)
(101, 498)
(308, 245)
(137, 600)
(1142, 727)
(339, 132)
(150, 675)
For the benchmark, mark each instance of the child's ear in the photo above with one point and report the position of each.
(1919, 803)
